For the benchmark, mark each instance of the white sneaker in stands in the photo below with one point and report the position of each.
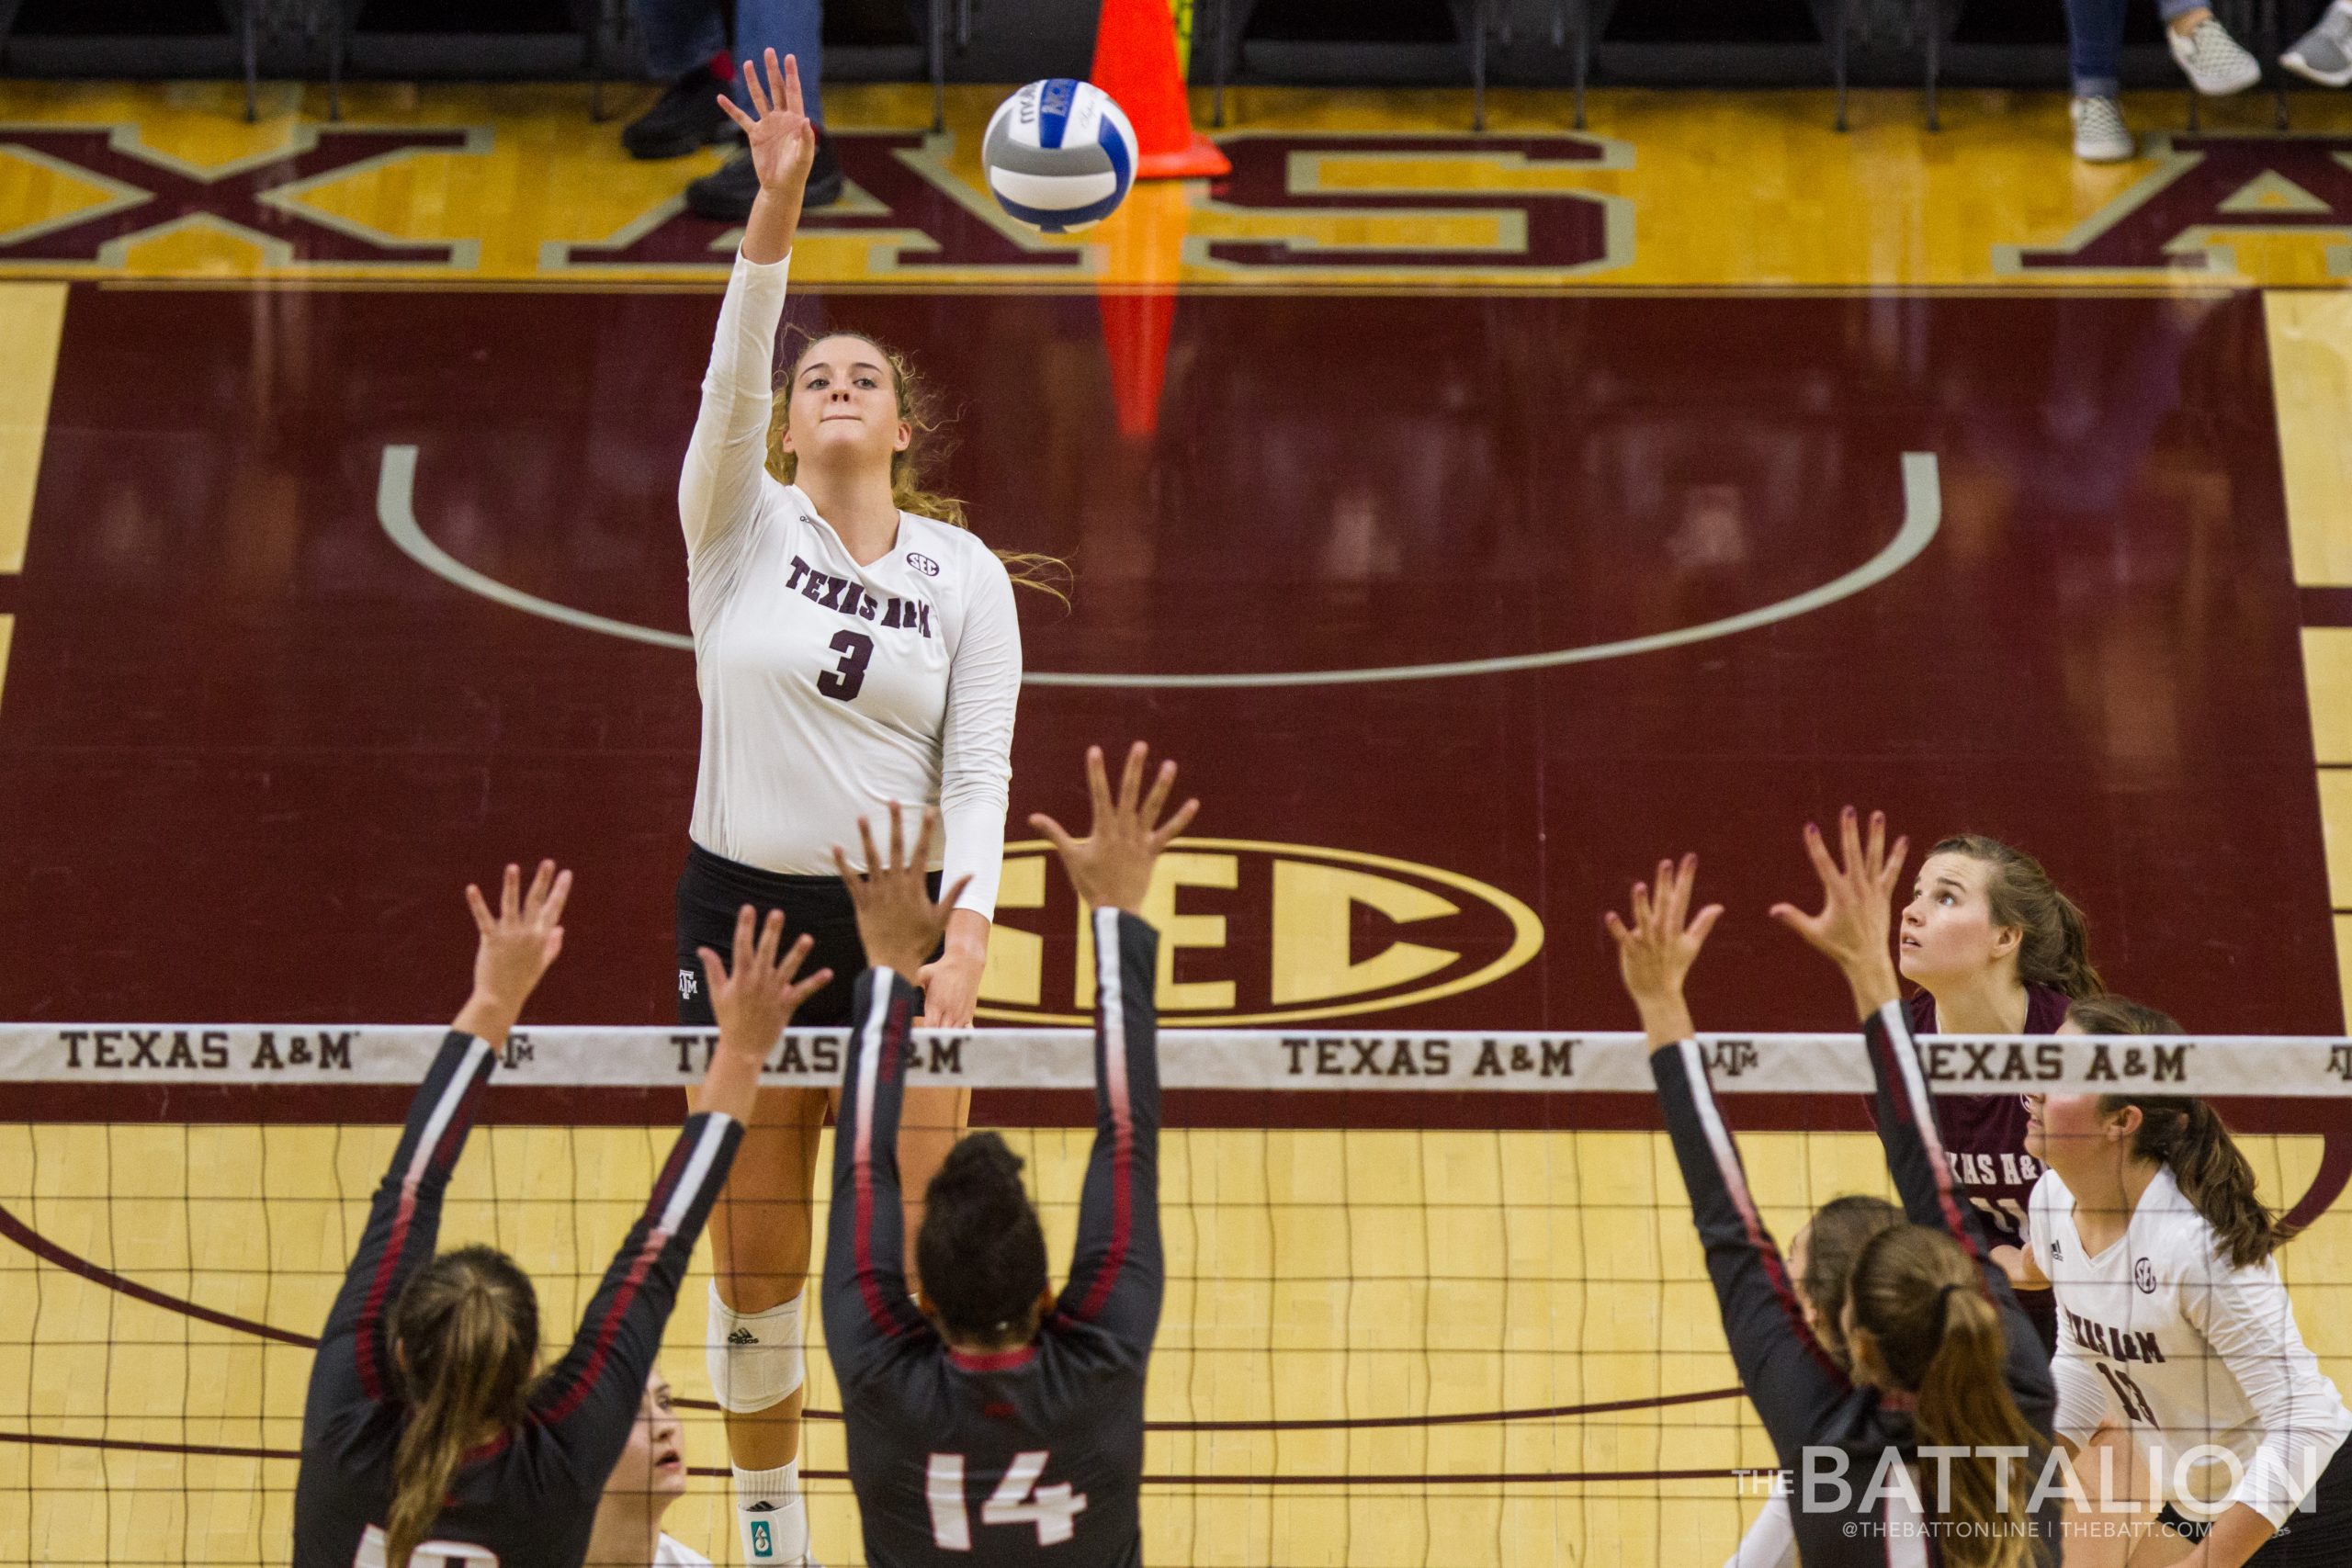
(2100, 135)
(2325, 54)
(2215, 65)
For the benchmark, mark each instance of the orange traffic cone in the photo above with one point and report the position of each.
(1134, 61)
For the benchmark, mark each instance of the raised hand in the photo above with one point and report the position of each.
(1111, 867)
(782, 138)
(1855, 926)
(896, 920)
(756, 998)
(516, 946)
(1654, 954)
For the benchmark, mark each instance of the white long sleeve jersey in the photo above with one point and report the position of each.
(830, 689)
(1771, 1541)
(2161, 1331)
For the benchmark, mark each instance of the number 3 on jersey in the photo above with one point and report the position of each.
(842, 682)
(1018, 1500)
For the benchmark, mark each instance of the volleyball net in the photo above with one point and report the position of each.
(1433, 1298)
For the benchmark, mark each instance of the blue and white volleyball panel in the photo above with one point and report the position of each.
(1061, 154)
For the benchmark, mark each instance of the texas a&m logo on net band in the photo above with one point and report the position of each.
(1998, 1063)
(1730, 1058)
(239, 1052)
(1252, 932)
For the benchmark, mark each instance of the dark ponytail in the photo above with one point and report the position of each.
(2054, 944)
(467, 1333)
(2188, 1137)
(1921, 1299)
(981, 1252)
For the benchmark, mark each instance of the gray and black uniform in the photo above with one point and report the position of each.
(530, 1495)
(980, 1461)
(1806, 1401)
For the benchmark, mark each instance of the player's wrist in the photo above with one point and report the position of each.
(1125, 893)
(731, 1082)
(900, 961)
(967, 937)
(1666, 1017)
(489, 1015)
(749, 1037)
(1872, 980)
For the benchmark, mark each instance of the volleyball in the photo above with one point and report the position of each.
(1061, 154)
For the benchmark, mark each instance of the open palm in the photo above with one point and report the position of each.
(1856, 922)
(782, 139)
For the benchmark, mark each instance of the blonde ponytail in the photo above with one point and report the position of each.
(1921, 1298)
(467, 1334)
(1965, 1403)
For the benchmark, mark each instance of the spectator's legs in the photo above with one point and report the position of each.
(2095, 56)
(681, 34)
(2095, 46)
(2182, 15)
(789, 26)
(686, 45)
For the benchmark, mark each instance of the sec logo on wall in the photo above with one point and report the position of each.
(1255, 933)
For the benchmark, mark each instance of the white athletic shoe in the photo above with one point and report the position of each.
(2100, 135)
(2215, 65)
(2325, 54)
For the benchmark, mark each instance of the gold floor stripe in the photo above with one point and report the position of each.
(32, 316)
(2311, 370)
(2344, 964)
(2327, 673)
(2336, 826)
(2311, 374)
(7, 632)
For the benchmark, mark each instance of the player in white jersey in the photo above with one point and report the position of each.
(855, 647)
(647, 1479)
(2177, 1343)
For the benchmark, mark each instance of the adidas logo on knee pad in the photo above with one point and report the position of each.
(752, 1368)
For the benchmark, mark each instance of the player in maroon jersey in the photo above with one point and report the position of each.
(1995, 948)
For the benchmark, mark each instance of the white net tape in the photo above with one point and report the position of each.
(1226, 1059)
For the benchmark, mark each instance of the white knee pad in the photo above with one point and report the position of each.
(753, 1358)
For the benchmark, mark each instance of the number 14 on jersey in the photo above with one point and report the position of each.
(1017, 1500)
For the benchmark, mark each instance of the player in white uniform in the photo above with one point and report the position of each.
(2177, 1343)
(647, 1479)
(854, 647)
